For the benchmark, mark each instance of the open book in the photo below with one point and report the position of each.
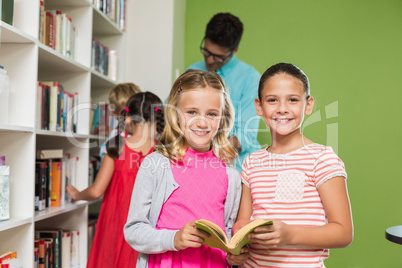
(219, 240)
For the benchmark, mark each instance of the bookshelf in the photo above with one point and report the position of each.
(28, 61)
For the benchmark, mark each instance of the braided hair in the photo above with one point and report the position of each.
(142, 107)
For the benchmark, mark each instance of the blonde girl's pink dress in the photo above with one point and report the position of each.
(201, 194)
(109, 248)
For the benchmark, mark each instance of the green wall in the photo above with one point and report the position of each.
(352, 53)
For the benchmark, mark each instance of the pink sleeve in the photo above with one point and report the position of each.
(328, 165)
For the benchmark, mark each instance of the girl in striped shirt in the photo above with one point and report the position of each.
(298, 184)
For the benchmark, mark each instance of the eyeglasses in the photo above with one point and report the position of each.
(217, 58)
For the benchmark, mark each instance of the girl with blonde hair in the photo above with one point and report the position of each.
(188, 178)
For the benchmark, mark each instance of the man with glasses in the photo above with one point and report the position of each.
(219, 47)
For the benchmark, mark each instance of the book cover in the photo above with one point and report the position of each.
(219, 239)
(4, 193)
(49, 256)
(53, 105)
(8, 255)
(12, 263)
(49, 154)
(56, 184)
(41, 253)
(38, 116)
(7, 11)
(40, 185)
(66, 249)
(75, 249)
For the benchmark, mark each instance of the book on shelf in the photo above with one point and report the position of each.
(36, 256)
(8, 256)
(2, 160)
(57, 31)
(66, 249)
(58, 170)
(55, 107)
(100, 57)
(75, 249)
(112, 67)
(5, 193)
(56, 235)
(113, 9)
(56, 188)
(12, 263)
(42, 252)
(7, 11)
(49, 255)
(103, 120)
(49, 154)
(218, 238)
(41, 173)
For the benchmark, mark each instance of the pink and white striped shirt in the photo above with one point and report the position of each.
(285, 187)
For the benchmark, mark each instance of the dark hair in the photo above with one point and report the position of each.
(141, 107)
(286, 68)
(225, 30)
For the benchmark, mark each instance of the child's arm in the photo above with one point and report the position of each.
(100, 185)
(246, 209)
(238, 193)
(139, 231)
(337, 233)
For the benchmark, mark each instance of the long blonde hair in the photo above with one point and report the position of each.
(172, 143)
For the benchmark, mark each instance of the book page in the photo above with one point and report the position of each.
(215, 228)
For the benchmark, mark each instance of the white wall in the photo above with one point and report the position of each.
(155, 44)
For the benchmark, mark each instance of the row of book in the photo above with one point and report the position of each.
(57, 31)
(5, 189)
(57, 248)
(9, 260)
(114, 10)
(53, 172)
(54, 108)
(104, 60)
(101, 119)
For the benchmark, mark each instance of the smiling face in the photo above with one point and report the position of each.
(199, 113)
(283, 105)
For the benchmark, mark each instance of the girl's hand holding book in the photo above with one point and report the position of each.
(272, 236)
(189, 237)
(238, 259)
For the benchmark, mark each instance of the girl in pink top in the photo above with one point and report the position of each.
(187, 179)
(298, 184)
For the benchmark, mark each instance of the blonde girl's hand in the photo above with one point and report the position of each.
(238, 259)
(271, 236)
(73, 192)
(189, 237)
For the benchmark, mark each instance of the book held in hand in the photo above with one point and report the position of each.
(218, 239)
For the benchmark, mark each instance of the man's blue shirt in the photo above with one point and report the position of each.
(241, 79)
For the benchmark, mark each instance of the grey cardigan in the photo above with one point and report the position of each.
(153, 186)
